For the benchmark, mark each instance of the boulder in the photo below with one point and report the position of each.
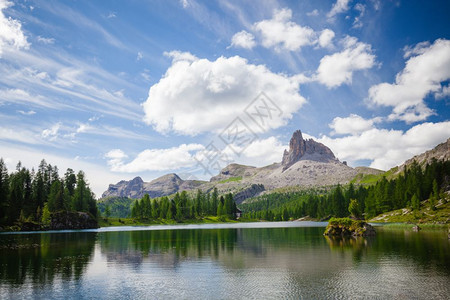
(416, 228)
(30, 226)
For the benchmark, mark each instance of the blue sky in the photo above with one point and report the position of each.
(126, 88)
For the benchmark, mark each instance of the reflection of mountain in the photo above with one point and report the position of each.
(44, 258)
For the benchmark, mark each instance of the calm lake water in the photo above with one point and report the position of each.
(230, 261)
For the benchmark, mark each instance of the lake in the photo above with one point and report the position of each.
(289, 260)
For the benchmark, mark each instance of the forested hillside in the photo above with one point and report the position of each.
(32, 196)
(408, 189)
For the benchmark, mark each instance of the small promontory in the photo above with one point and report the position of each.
(348, 227)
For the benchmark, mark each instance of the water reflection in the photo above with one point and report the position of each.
(40, 258)
(224, 263)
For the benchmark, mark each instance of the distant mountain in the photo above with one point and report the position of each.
(162, 186)
(307, 163)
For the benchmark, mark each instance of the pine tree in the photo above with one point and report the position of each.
(354, 208)
(4, 191)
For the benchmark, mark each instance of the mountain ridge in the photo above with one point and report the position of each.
(307, 163)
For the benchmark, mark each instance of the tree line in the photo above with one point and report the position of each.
(414, 185)
(182, 206)
(33, 195)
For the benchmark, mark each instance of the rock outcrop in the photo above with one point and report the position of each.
(72, 220)
(440, 152)
(305, 149)
(249, 192)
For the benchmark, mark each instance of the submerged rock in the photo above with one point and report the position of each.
(348, 227)
(72, 220)
(416, 228)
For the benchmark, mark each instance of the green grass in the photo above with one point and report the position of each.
(231, 179)
(369, 179)
(103, 222)
(423, 216)
(422, 226)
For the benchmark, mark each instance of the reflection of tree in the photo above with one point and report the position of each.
(167, 247)
(357, 245)
(41, 258)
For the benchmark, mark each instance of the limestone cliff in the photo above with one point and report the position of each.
(305, 149)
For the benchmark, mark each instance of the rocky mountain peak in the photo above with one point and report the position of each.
(300, 148)
(125, 188)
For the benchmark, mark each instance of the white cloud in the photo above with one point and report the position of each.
(83, 128)
(388, 148)
(281, 33)
(353, 124)
(339, 7)
(313, 13)
(154, 159)
(376, 4)
(417, 49)
(326, 38)
(261, 152)
(243, 39)
(26, 113)
(139, 56)
(44, 40)
(11, 35)
(19, 135)
(111, 15)
(357, 23)
(422, 75)
(51, 133)
(338, 68)
(443, 93)
(198, 95)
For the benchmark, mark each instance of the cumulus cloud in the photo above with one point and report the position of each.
(388, 148)
(338, 68)
(427, 67)
(243, 39)
(198, 95)
(281, 33)
(326, 38)
(353, 124)
(259, 153)
(339, 7)
(11, 34)
(154, 159)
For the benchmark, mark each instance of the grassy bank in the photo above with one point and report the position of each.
(425, 215)
(103, 222)
(443, 227)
